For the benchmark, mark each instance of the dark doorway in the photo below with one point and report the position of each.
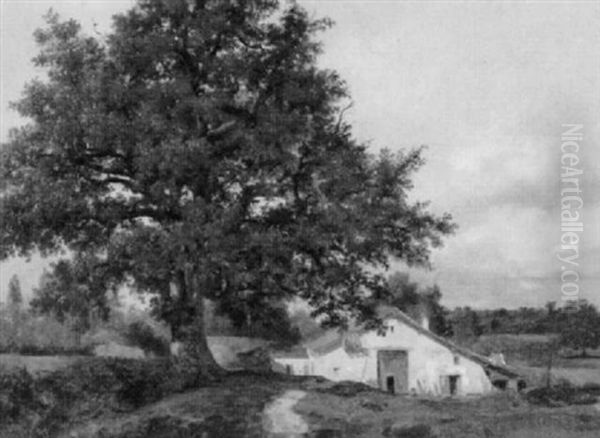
(500, 384)
(392, 371)
(288, 370)
(453, 383)
(389, 385)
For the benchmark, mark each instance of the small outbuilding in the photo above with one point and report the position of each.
(406, 358)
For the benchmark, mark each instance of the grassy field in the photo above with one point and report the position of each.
(530, 349)
(592, 363)
(550, 432)
(528, 354)
(578, 376)
(36, 364)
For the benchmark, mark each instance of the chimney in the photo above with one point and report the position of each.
(423, 315)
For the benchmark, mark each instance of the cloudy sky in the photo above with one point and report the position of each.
(485, 85)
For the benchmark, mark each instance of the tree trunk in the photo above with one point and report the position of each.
(195, 342)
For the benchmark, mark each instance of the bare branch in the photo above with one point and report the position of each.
(341, 116)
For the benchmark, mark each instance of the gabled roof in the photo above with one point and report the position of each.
(331, 340)
(327, 342)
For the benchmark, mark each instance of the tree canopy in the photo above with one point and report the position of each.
(199, 151)
(466, 325)
(580, 329)
(419, 302)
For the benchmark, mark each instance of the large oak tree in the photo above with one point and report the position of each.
(198, 151)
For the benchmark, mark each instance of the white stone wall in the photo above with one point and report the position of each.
(298, 366)
(337, 365)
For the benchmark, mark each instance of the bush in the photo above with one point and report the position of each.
(347, 388)
(591, 388)
(143, 335)
(533, 349)
(131, 382)
(87, 388)
(16, 391)
(25, 333)
(141, 383)
(413, 431)
(563, 394)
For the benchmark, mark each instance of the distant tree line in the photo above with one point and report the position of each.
(524, 320)
(527, 320)
(25, 331)
(62, 319)
(576, 327)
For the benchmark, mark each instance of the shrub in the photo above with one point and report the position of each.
(347, 388)
(413, 431)
(563, 394)
(143, 335)
(16, 391)
(87, 388)
(592, 388)
(532, 349)
(26, 333)
(130, 382)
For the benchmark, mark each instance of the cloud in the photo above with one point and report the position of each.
(487, 86)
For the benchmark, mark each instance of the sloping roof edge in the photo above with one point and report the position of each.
(328, 347)
(391, 313)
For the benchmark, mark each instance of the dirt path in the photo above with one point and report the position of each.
(279, 418)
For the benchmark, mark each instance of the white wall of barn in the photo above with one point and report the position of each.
(338, 365)
(296, 366)
(429, 363)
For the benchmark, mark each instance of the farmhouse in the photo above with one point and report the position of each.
(407, 358)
